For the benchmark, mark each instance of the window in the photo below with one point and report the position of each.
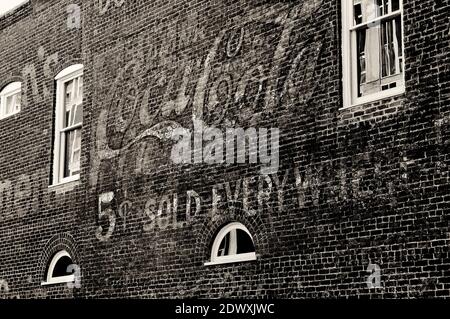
(232, 244)
(373, 57)
(68, 124)
(10, 99)
(58, 269)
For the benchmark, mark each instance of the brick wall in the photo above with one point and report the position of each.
(357, 186)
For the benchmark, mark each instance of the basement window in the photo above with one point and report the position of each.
(10, 99)
(373, 57)
(58, 269)
(68, 124)
(232, 244)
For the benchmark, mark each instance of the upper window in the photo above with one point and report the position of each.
(68, 124)
(232, 244)
(373, 57)
(59, 269)
(10, 99)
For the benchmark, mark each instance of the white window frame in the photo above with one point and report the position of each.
(63, 77)
(349, 56)
(9, 90)
(218, 260)
(50, 280)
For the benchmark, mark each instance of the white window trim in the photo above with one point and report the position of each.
(218, 260)
(11, 89)
(349, 78)
(64, 76)
(68, 72)
(50, 280)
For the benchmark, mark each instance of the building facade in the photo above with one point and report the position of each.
(116, 182)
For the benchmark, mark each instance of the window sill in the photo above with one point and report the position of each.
(232, 259)
(9, 115)
(68, 183)
(63, 280)
(376, 97)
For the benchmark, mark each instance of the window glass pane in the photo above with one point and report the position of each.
(361, 53)
(78, 114)
(377, 53)
(61, 266)
(395, 5)
(224, 246)
(68, 105)
(367, 60)
(383, 7)
(79, 99)
(387, 6)
(391, 41)
(73, 102)
(10, 105)
(357, 11)
(236, 241)
(72, 153)
(68, 143)
(365, 11)
(398, 42)
(18, 102)
(244, 242)
(384, 49)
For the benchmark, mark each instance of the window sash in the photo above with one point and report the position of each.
(377, 20)
(65, 162)
(60, 162)
(14, 107)
(73, 101)
(350, 56)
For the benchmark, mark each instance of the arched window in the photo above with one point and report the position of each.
(68, 125)
(59, 269)
(10, 99)
(233, 243)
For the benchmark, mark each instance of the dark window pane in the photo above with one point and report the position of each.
(398, 31)
(381, 7)
(61, 267)
(358, 13)
(67, 153)
(67, 119)
(361, 41)
(244, 243)
(388, 54)
(395, 5)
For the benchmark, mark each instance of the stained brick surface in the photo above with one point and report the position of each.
(356, 186)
